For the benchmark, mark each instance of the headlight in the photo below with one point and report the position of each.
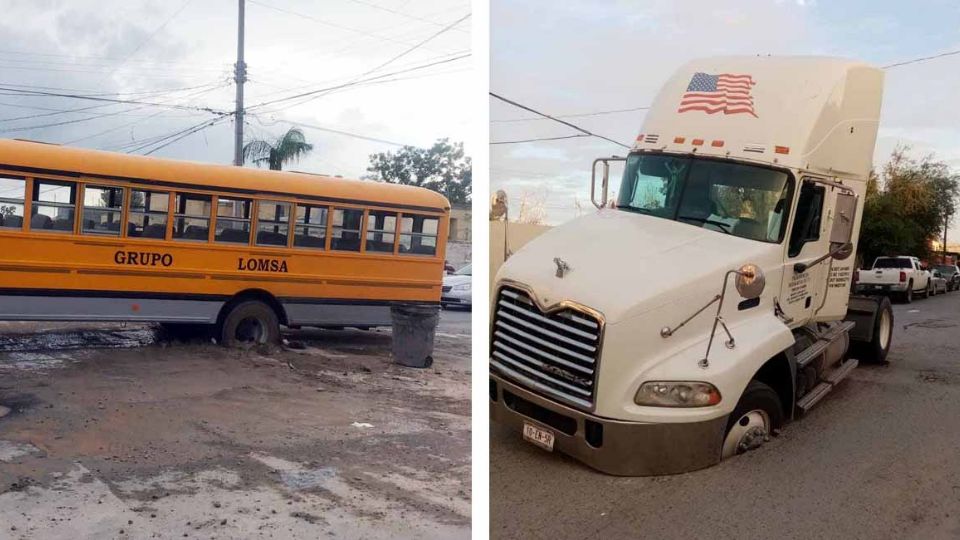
(464, 287)
(677, 394)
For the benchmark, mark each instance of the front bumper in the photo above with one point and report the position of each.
(610, 446)
(456, 298)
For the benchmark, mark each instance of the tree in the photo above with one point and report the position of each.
(290, 147)
(443, 168)
(907, 206)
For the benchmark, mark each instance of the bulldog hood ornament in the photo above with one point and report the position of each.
(562, 267)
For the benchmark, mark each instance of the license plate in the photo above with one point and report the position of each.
(539, 437)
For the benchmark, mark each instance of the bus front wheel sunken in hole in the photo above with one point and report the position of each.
(250, 323)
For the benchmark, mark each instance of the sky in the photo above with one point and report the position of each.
(180, 54)
(580, 56)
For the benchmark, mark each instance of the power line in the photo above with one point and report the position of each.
(395, 12)
(328, 23)
(443, 30)
(56, 112)
(150, 37)
(555, 119)
(336, 131)
(923, 59)
(20, 92)
(581, 115)
(358, 82)
(577, 136)
(141, 120)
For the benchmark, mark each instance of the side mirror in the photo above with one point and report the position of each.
(750, 281)
(605, 180)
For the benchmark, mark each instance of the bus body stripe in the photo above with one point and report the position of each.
(137, 295)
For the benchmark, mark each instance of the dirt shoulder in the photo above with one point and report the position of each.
(164, 440)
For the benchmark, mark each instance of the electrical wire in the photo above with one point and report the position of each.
(577, 136)
(355, 83)
(331, 130)
(555, 119)
(150, 37)
(581, 115)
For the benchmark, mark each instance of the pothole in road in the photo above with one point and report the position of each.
(932, 324)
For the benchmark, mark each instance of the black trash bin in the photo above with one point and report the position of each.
(413, 329)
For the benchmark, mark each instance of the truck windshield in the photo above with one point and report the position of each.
(743, 200)
(892, 262)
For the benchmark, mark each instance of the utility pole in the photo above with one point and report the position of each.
(946, 225)
(240, 76)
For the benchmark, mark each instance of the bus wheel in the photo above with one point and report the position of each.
(250, 323)
(756, 417)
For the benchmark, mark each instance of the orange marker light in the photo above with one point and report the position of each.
(640, 137)
(781, 149)
(697, 142)
(679, 140)
(717, 144)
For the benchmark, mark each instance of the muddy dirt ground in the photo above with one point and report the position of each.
(111, 432)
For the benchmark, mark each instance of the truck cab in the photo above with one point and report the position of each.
(694, 315)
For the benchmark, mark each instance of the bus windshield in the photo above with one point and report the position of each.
(732, 198)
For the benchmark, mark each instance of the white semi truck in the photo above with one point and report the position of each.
(709, 305)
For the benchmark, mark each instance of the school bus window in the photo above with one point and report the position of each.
(148, 214)
(54, 204)
(191, 220)
(418, 235)
(233, 220)
(102, 208)
(311, 227)
(272, 223)
(12, 193)
(381, 231)
(346, 229)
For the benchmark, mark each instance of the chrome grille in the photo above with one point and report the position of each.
(552, 353)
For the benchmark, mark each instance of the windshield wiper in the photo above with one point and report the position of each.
(723, 226)
(635, 209)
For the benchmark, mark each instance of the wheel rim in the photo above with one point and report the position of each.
(250, 330)
(885, 329)
(750, 431)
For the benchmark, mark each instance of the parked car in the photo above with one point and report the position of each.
(938, 283)
(902, 276)
(951, 273)
(457, 288)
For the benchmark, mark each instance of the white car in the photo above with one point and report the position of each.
(938, 283)
(457, 288)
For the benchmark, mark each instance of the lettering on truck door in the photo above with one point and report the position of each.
(799, 292)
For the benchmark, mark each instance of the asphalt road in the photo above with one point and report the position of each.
(877, 458)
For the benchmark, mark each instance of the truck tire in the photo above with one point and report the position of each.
(875, 351)
(758, 415)
(908, 294)
(248, 324)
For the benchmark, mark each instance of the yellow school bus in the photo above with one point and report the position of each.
(97, 236)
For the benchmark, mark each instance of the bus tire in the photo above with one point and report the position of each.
(250, 323)
(757, 416)
(875, 351)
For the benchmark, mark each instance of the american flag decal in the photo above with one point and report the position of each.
(727, 93)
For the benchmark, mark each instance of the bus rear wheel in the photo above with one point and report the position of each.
(248, 324)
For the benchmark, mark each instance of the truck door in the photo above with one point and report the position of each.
(800, 292)
(842, 218)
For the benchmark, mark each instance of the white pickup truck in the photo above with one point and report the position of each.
(903, 276)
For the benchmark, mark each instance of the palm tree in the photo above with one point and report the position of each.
(290, 147)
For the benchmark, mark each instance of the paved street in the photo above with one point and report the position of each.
(878, 458)
(109, 432)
